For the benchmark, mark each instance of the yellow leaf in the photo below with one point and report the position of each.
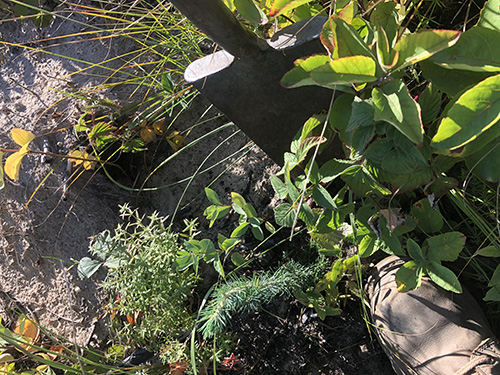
(29, 330)
(78, 157)
(90, 162)
(148, 134)
(22, 137)
(2, 182)
(176, 140)
(76, 154)
(160, 127)
(13, 163)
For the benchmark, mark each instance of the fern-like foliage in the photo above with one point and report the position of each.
(243, 295)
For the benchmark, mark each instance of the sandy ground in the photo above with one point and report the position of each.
(40, 241)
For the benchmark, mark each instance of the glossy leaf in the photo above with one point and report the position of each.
(443, 277)
(299, 76)
(414, 250)
(13, 163)
(384, 16)
(451, 81)
(490, 15)
(387, 57)
(394, 105)
(409, 276)
(419, 46)
(345, 70)
(486, 162)
(473, 113)
(283, 6)
(477, 50)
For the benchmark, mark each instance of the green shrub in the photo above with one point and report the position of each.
(145, 288)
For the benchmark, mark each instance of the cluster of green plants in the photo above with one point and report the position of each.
(416, 118)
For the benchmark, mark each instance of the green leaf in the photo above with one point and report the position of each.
(87, 267)
(335, 252)
(279, 187)
(493, 294)
(367, 246)
(409, 276)
(342, 40)
(443, 277)
(489, 251)
(284, 215)
(429, 220)
(238, 200)
(394, 104)
(430, 104)
(490, 15)
(451, 81)
(334, 168)
(270, 228)
(250, 211)
(240, 230)
(299, 76)
(445, 247)
(392, 242)
(250, 11)
(166, 83)
(345, 70)
(257, 233)
(495, 278)
(284, 6)
(419, 46)
(474, 112)
(485, 163)
(212, 196)
(414, 250)
(237, 259)
(384, 16)
(362, 182)
(329, 240)
(323, 198)
(477, 50)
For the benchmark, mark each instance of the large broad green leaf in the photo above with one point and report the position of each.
(368, 245)
(477, 50)
(323, 198)
(451, 81)
(394, 105)
(486, 162)
(445, 247)
(334, 168)
(345, 70)
(429, 219)
(299, 76)
(342, 40)
(387, 57)
(443, 277)
(250, 11)
(474, 112)
(419, 46)
(385, 17)
(430, 103)
(279, 187)
(409, 276)
(283, 6)
(362, 182)
(490, 15)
